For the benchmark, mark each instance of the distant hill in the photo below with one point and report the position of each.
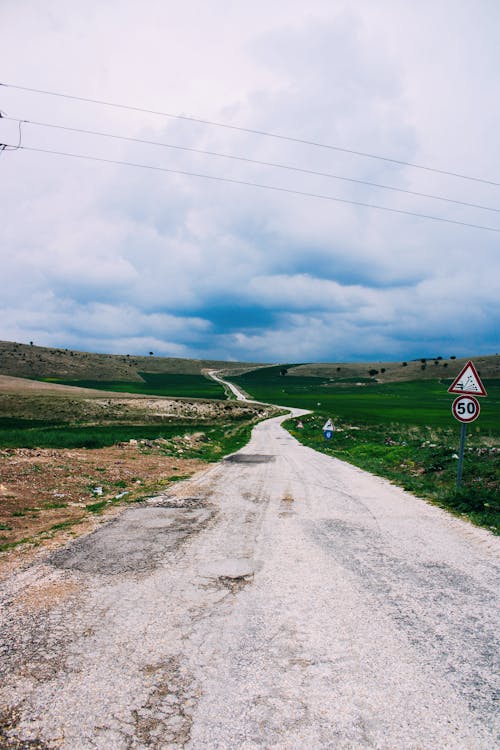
(389, 372)
(25, 361)
(39, 362)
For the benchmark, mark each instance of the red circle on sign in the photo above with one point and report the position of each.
(466, 408)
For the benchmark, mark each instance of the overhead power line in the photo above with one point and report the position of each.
(259, 162)
(274, 188)
(265, 133)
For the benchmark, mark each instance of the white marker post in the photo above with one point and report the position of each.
(466, 407)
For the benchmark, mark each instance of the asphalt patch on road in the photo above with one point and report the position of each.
(250, 458)
(136, 542)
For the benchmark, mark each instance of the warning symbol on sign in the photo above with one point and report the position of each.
(468, 382)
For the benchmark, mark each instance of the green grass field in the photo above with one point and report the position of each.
(402, 431)
(424, 402)
(27, 433)
(156, 384)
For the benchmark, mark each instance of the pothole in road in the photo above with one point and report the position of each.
(179, 503)
(250, 458)
(232, 573)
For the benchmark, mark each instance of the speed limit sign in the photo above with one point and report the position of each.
(466, 408)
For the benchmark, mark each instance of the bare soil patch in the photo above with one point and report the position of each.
(46, 594)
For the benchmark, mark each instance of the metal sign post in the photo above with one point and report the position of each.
(463, 434)
(466, 407)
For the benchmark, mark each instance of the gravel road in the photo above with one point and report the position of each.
(239, 395)
(280, 599)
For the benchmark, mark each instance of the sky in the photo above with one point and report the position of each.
(106, 257)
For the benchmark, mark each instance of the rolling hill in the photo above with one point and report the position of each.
(28, 361)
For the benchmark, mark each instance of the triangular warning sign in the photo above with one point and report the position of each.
(468, 381)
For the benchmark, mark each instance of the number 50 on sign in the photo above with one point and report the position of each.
(466, 409)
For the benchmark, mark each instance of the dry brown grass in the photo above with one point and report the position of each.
(488, 366)
(22, 360)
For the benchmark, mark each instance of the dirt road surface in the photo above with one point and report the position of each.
(280, 599)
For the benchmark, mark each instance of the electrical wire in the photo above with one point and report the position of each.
(248, 160)
(274, 188)
(265, 133)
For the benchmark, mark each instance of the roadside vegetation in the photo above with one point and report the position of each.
(402, 431)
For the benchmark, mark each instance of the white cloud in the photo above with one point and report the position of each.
(109, 257)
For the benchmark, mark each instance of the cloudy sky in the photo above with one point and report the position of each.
(113, 258)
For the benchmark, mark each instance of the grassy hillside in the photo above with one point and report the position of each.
(63, 365)
(388, 372)
(25, 361)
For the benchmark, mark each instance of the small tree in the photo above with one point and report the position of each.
(283, 371)
(404, 364)
(372, 372)
(151, 354)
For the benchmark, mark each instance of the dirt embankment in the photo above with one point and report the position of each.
(83, 406)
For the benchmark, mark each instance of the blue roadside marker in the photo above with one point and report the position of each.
(328, 429)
